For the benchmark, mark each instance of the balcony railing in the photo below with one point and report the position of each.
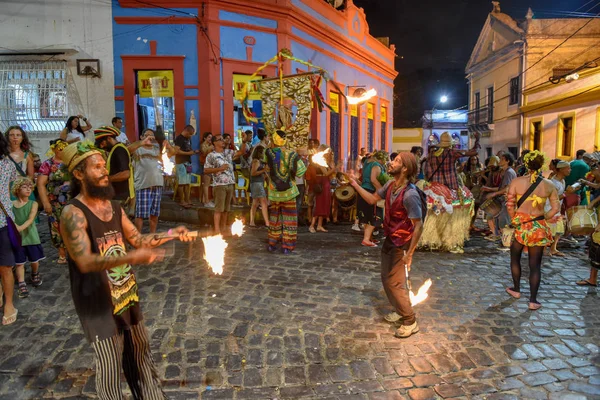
(481, 115)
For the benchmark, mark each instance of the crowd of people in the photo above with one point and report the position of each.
(90, 192)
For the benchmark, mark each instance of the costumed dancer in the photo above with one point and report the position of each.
(451, 203)
(403, 226)
(284, 166)
(104, 289)
(527, 197)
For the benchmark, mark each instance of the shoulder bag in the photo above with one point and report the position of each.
(13, 232)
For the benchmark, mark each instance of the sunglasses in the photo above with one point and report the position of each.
(218, 140)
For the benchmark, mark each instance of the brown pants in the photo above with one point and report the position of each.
(393, 277)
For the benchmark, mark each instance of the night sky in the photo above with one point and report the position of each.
(434, 40)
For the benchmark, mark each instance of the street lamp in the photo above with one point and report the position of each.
(443, 99)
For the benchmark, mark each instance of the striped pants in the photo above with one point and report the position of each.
(283, 224)
(130, 349)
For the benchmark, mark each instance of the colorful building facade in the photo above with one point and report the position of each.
(201, 51)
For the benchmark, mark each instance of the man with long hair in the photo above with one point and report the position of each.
(103, 285)
(403, 227)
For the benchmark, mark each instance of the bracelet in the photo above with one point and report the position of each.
(169, 232)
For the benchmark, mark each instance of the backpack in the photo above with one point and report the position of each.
(423, 197)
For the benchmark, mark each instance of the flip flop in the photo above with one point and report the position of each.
(557, 254)
(10, 319)
(585, 282)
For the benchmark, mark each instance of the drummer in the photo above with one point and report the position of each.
(491, 183)
(473, 170)
(560, 170)
(508, 174)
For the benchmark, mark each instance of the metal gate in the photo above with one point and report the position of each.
(36, 95)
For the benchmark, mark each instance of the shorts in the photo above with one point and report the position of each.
(147, 202)
(183, 177)
(32, 253)
(257, 190)
(368, 213)
(201, 169)
(222, 195)
(7, 257)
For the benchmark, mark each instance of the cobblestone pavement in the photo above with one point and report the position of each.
(309, 326)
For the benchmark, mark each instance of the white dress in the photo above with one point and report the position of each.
(75, 135)
(559, 226)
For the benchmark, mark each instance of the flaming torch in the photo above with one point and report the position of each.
(168, 165)
(214, 252)
(421, 293)
(237, 229)
(319, 158)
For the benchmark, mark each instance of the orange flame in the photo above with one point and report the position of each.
(237, 229)
(168, 165)
(421, 293)
(319, 158)
(214, 252)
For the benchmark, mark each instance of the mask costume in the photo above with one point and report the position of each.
(284, 166)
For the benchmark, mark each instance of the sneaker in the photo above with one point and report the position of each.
(392, 317)
(356, 228)
(210, 204)
(407, 330)
(376, 233)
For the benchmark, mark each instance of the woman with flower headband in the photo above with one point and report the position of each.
(53, 188)
(527, 196)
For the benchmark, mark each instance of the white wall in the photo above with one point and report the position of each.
(81, 28)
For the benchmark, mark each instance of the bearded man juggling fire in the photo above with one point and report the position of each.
(103, 285)
(403, 226)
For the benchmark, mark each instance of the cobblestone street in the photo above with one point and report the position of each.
(310, 325)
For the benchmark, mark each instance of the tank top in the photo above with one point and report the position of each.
(259, 178)
(106, 302)
(29, 236)
(366, 175)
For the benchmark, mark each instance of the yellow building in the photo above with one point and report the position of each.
(514, 105)
(405, 138)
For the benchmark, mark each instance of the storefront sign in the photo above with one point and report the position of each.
(164, 83)
(353, 110)
(383, 114)
(334, 102)
(370, 112)
(239, 86)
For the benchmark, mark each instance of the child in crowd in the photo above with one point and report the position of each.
(25, 211)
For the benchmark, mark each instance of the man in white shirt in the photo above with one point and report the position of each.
(117, 122)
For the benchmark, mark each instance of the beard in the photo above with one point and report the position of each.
(95, 191)
(395, 171)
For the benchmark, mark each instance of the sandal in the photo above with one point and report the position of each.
(23, 292)
(312, 230)
(36, 279)
(61, 260)
(10, 319)
(513, 293)
(322, 230)
(368, 244)
(557, 254)
(534, 306)
(585, 282)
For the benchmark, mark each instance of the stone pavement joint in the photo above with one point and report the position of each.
(309, 326)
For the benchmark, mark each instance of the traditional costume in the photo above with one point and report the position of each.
(284, 166)
(450, 204)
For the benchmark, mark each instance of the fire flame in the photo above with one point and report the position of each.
(319, 158)
(237, 229)
(421, 293)
(364, 97)
(168, 165)
(214, 252)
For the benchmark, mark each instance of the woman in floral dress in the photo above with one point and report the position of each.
(54, 191)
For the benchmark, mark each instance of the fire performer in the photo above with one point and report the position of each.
(103, 285)
(403, 227)
(284, 167)
(447, 226)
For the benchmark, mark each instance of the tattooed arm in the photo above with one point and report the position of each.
(137, 240)
(73, 229)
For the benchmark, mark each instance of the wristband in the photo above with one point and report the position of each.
(169, 232)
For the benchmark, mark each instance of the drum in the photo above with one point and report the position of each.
(582, 220)
(492, 207)
(476, 190)
(507, 236)
(345, 195)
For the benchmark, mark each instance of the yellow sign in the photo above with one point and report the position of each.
(334, 102)
(163, 83)
(239, 86)
(353, 110)
(383, 114)
(370, 113)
